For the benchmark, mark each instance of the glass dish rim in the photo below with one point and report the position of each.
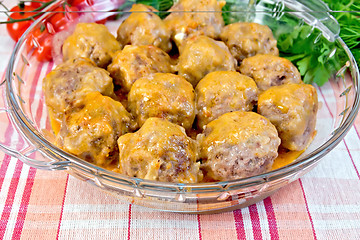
(21, 121)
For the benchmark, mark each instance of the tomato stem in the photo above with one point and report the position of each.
(43, 5)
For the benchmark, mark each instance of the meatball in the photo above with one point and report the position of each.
(183, 20)
(134, 62)
(202, 55)
(238, 145)
(91, 131)
(92, 41)
(64, 86)
(144, 27)
(292, 109)
(221, 92)
(163, 95)
(248, 39)
(268, 70)
(160, 151)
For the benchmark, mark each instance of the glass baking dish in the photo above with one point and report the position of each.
(23, 104)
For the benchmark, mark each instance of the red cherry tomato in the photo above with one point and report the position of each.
(38, 3)
(63, 16)
(16, 29)
(81, 3)
(40, 41)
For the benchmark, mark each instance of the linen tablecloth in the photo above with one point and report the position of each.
(36, 204)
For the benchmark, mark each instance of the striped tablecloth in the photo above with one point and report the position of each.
(35, 204)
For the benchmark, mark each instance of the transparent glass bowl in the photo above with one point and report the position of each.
(26, 113)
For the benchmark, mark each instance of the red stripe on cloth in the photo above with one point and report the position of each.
(30, 180)
(274, 234)
(129, 222)
(239, 225)
(255, 221)
(199, 226)
(352, 160)
(10, 198)
(24, 204)
(307, 208)
(62, 207)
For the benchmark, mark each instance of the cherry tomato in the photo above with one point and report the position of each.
(16, 29)
(40, 41)
(63, 16)
(38, 3)
(81, 3)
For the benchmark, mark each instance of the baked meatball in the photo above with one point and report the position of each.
(134, 62)
(193, 17)
(248, 39)
(163, 95)
(292, 109)
(268, 70)
(92, 41)
(91, 131)
(221, 92)
(144, 27)
(160, 151)
(238, 145)
(69, 81)
(202, 55)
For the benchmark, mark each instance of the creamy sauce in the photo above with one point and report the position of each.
(285, 157)
(54, 122)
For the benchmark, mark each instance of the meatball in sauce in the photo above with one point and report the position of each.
(144, 27)
(134, 62)
(268, 70)
(238, 145)
(202, 55)
(92, 41)
(91, 130)
(221, 92)
(159, 151)
(183, 22)
(292, 109)
(70, 81)
(248, 39)
(163, 95)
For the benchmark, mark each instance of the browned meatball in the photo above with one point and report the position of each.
(248, 39)
(185, 22)
(292, 109)
(238, 145)
(160, 151)
(268, 70)
(134, 62)
(202, 55)
(163, 95)
(221, 92)
(69, 81)
(91, 131)
(92, 41)
(144, 27)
